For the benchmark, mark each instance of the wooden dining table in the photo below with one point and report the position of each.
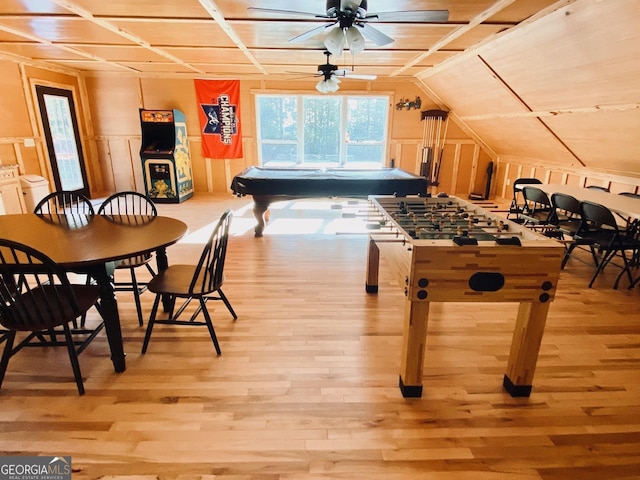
(89, 243)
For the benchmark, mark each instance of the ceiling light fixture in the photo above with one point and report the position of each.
(355, 40)
(339, 38)
(328, 85)
(336, 41)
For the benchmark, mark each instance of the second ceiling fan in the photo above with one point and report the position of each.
(351, 23)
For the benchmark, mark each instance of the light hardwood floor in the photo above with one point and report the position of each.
(306, 386)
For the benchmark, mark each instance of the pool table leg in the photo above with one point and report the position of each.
(261, 212)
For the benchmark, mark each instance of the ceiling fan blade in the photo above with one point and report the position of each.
(410, 16)
(375, 35)
(311, 33)
(358, 76)
(303, 74)
(345, 73)
(286, 12)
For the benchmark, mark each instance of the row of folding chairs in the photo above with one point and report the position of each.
(584, 224)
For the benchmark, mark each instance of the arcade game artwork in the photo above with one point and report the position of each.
(166, 160)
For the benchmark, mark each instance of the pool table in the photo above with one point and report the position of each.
(267, 185)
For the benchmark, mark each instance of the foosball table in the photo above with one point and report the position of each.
(445, 249)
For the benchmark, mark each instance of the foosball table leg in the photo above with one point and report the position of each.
(414, 342)
(525, 346)
(373, 266)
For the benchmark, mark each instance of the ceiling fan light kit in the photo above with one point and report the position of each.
(328, 85)
(355, 40)
(335, 41)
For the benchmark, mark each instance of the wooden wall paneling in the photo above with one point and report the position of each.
(449, 170)
(96, 167)
(15, 119)
(123, 167)
(617, 187)
(467, 170)
(394, 153)
(556, 177)
(218, 174)
(456, 167)
(136, 163)
(93, 174)
(7, 153)
(572, 179)
(105, 165)
(28, 92)
(409, 156)
(202, 181)
(553, 174)
(18, 156)
(114, 101)
(501, 185)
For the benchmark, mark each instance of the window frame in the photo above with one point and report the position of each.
(299, 142)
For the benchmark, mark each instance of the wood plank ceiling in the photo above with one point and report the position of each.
(226, 38)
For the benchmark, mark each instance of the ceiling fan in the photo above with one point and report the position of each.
(330, 76)
(351, 22)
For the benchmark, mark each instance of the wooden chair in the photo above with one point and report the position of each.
(37, 297)
(64, 202)
(609, 240)
(515, 209)
(131, 203)
(568, 220)
(67, 205)
(202, 281)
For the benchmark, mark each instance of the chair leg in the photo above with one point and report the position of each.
(608, 256)
(626, 268)
(136, 295)
(226, 302)
(73, 356)
(6, 354)
(212, 331)
(567, 254)
(151, 323)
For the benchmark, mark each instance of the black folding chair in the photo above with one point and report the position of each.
(568, 221)
(515, 209)
(537, 212)
(609, 241)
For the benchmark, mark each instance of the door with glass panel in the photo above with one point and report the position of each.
(60, 124)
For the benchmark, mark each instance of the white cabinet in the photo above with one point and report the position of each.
(11, 197)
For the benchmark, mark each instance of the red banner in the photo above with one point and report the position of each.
(219, 113)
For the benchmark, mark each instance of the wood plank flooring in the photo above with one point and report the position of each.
(306, 386)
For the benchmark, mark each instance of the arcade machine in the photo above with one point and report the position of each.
(166, 161)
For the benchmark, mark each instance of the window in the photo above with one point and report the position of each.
(322, 131)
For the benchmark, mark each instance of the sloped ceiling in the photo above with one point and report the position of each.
(564, 89)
